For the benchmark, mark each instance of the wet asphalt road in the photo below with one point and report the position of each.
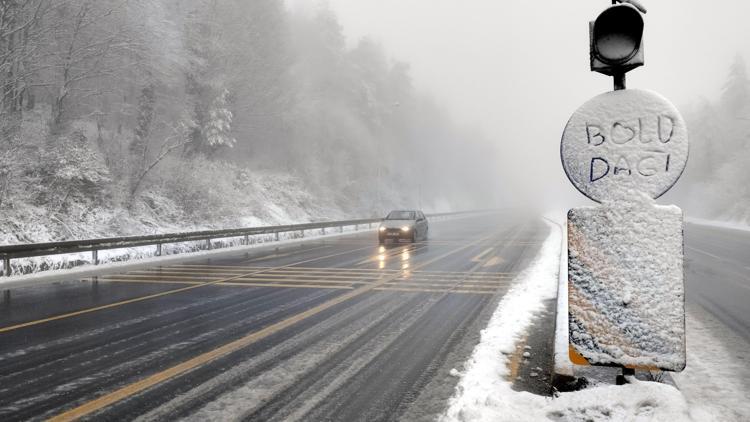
(331, 329)
(717, 274)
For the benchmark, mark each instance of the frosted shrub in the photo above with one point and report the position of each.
(203, 188)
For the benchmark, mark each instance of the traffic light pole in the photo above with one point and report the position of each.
(619, 81)
(619, 77)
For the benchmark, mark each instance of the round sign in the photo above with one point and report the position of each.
(622, 142)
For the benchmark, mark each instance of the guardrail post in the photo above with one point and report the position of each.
(302, 232)
(95, 256)
(356, 227)
(341, 229)
(208, 244)
(158, 249)
(369, 225)
(276, 236)
(323, 230)
(6, 266)
(247, 239)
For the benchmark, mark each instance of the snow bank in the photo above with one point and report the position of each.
(484, 394)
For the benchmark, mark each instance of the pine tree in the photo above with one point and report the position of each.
(736, 93)
(217, 131)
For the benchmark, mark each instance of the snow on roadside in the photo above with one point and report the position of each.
(484, 394)
(717, 378)
(717, 223)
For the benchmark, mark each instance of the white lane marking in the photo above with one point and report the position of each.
(706, 253)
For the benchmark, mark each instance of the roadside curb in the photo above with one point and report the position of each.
(563, 376)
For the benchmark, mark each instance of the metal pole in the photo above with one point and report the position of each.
(158, 249)
(302, 233)
(619, 79)
(323, 230)
(341, 229)
(6, 266)
(620, 379)
(95, 256)
(247, 240)
(276, 236)
(208, 244)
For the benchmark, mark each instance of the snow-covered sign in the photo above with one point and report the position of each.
(626, 298)
(625, 141)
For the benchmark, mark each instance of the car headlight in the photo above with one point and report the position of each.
(405, 228)
(381, 228)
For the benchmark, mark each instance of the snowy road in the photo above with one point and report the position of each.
(332, 329)
(718, 273)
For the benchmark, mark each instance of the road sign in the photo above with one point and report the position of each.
(626, 295)
(623, 142)
(625, 279)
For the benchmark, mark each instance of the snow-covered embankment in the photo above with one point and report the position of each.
(484, 393)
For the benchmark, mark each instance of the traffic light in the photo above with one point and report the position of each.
(616, 39)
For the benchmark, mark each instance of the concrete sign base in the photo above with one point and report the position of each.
(626, 290)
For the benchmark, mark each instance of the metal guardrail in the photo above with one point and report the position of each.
(26, 250)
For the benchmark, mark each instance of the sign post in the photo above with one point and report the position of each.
(623, 149)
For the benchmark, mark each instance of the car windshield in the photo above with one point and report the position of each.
(401, 215)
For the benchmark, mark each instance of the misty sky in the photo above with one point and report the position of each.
(518, 69)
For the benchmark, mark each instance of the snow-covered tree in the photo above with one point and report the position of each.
(217, 130)
(735, 96)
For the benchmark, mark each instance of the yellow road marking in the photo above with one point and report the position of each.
(237, 281)
(478, 257)
(266, 281)
(265, 274)
(152, 296)
(416, 290)
(279, 254)
(514, 363)
(224, 350)
(326, 277)
(442, 286)
(261, 275)
(458, 284)
(387, 287)
(342, 269)
(332, 272)
(495, 260)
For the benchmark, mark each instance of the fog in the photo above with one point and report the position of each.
(167, 115)
(517, 70)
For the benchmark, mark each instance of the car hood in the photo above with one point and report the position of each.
(394, 224)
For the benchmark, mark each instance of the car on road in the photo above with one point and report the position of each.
(403, 225)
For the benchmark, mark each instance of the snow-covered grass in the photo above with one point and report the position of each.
(484, 393)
